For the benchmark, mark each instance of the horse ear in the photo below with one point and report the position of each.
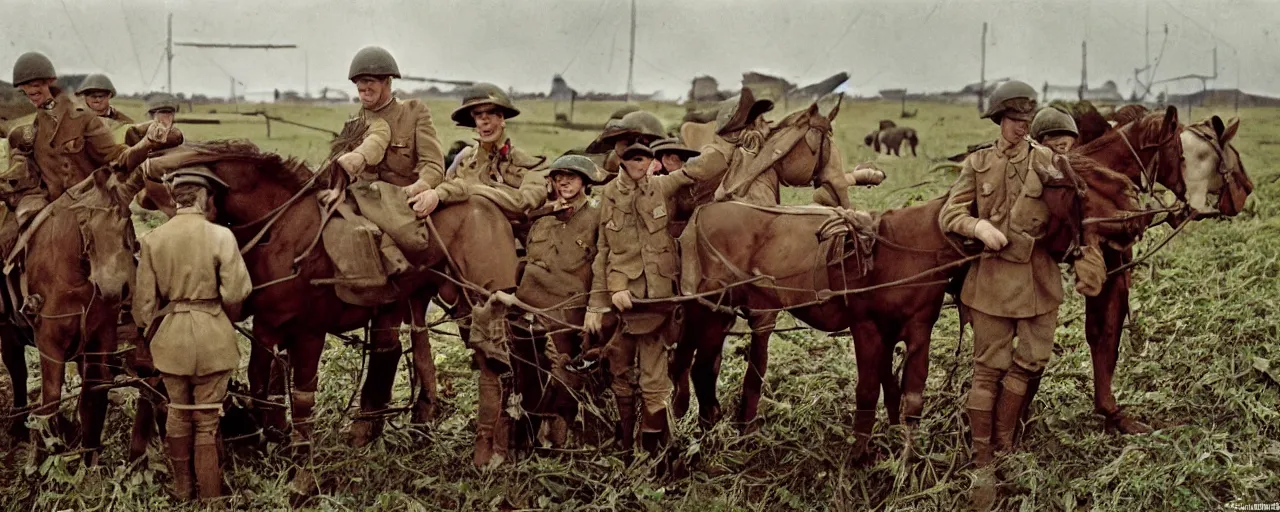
(1170, 119)
(1218, 127)
(831, 116)
(1230, 131)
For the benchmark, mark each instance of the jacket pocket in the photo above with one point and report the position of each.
(399, 158)
(72, 147)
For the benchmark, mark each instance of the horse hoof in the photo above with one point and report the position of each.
(423, 412)
(302, 487)
(707, 418)
(1124, 424)
(680, 406)
(363, 432)
(749, 427)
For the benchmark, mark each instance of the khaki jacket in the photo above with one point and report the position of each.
(517, 176)
(413, 153)
(71, 142)
(117, 118)
(1000, 185)
(636, 252)
(560, 251)
(194, 265)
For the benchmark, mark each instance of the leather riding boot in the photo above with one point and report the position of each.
(180, 460)
(208, 471)
(488, 412)
(627, 422)
(1009, 406)
(980, 426)
(1033, 386)
(654, 435)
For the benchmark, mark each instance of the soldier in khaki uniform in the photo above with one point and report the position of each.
(1055, 129)
(62, 146)
(673, 154)
(1016, 292)
(494, 162)
(161, 109)
(97, 91)
(634, 127)
(191, 284)
(560, 251)
(637, 258)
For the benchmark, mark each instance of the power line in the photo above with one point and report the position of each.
(78, 36)
(132, 44)
(583, 43)
(1202, 27)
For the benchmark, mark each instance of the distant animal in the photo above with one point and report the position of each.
(891, 139)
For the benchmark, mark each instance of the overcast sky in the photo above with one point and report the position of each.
(924, 45)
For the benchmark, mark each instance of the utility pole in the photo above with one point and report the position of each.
(306, 76)
(234, 101)
(631, 66)
(982, 73)
(1084, 68)
(168, 50)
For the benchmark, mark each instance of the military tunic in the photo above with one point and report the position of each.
(71, 142)
(637, 254)
(506, 169)
(413, 153)
(1017, 291)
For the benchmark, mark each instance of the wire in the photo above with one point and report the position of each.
(132, 45)
(156, 73)
(583, 43)
(832, 46)
(1198, 24)
(75, 29)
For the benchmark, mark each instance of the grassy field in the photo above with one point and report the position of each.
(1200, 361)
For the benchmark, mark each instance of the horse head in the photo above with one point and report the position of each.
(1215, 178)
(800, 150)
(106, 230)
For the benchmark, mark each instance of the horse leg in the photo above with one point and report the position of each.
(266, 385)
(424, 363)
(304, 357)
(869, 351)
(706, 370)
(384, 358)
(1104, 320)
(890, 386)
(696, 320)
(49, 425)
(757, 364)
(13, 350)
(147, 420)
(95, 375)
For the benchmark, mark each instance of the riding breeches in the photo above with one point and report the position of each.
(639, 361)
(995, 354)
(196, 401)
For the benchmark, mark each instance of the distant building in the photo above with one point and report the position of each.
(819, 89)
(1108, 94)
(560, 90)
(1222, 98)
(767, 86)
(706, 89)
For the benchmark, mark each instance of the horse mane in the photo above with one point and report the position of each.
(292, 170)
(1100, 178)
(1128, 114)
(1089, 122)
(1147, 123)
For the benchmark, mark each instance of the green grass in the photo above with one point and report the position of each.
(1200, 361)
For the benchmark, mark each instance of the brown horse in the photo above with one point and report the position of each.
(293, 314)
(900, 298)
(891, 140)
(1195, 164)
(78, 263)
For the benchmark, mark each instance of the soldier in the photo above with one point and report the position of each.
(1015, 293)
(637, 258)
(161, 109)
(97, 91)
(557, 277)
(413, 158)
(634, 127)
(62, 146)
(193, 266)
(673, 154)
(1054, 128)
(494, 162)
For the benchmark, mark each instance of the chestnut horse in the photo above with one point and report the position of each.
(78, 262)
(1194, 163)
(291, 313)
(899, 298)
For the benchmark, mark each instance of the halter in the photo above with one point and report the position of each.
(1147, 178)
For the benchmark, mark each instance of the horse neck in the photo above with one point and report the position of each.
(1113, 152)
(254, 198)
(916, 227)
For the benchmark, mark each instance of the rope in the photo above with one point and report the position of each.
(1148, 254)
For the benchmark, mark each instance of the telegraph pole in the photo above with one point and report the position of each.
(1084, 68)
(982, 73)
(631, 66)
(168, 49)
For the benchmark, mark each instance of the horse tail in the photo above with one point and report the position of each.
(912, 137)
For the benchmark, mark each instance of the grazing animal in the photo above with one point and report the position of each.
(891, 139)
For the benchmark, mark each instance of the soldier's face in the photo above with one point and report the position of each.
(98, 101)
(490, 123)
(568, 185)
(1013, 130)
(672, 162)
(373, 90)
(621, 144)
(1060, 143)
(164, 117)
(637, 166)
(37, 91)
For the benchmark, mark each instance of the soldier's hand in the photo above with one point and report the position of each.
(505, 298)
(352, 162)
(164, 119)
(865, 174)
(425, 202)
(593, 323)
(327, 196)
(990, 235)
(622, 300)
(158, 132)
